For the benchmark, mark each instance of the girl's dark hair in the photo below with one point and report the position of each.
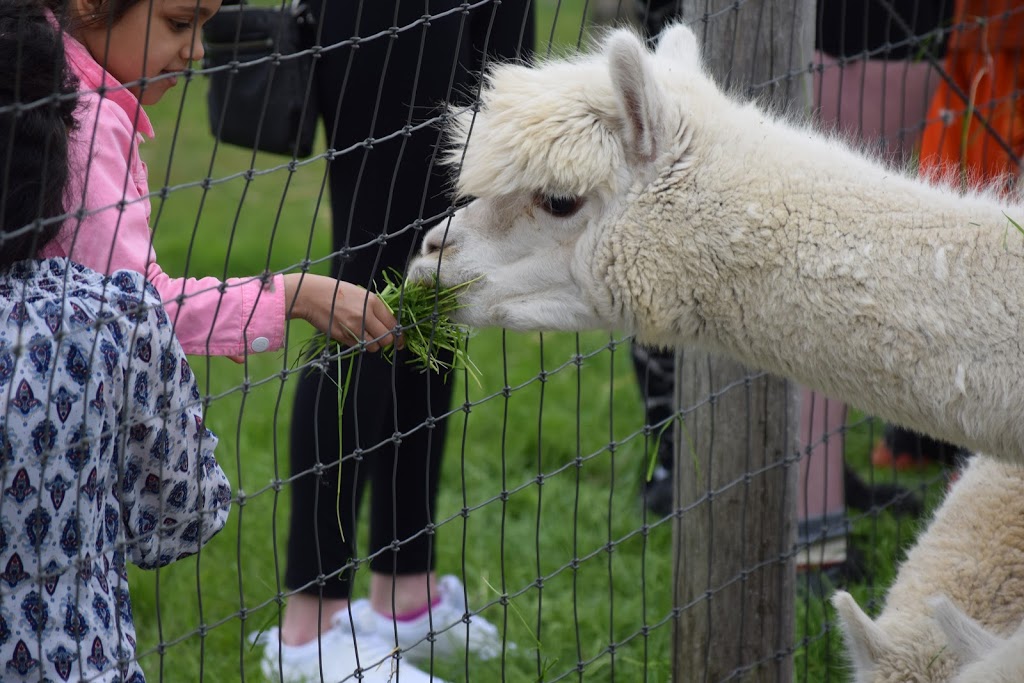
(37, 103)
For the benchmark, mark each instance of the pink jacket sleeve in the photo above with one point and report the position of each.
(211, 317)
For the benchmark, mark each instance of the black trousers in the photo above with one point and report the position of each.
(371, 96)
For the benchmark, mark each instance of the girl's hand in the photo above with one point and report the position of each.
(337, 308)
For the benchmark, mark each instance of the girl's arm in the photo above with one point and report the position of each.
(211, 317)
(174, 496)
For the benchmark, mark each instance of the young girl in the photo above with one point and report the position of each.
(126, 53)
(104, 458)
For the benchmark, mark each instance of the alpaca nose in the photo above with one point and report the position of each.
(439, 238)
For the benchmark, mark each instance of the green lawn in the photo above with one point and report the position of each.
(607, 577)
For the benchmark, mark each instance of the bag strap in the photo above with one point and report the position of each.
(297, 5)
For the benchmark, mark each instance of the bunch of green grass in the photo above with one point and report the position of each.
(424, 314)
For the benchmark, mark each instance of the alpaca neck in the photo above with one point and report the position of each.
(807, 260)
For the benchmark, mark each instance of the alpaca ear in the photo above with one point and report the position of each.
(679, 44)
(864, 639)
(638, 96)
(967, 638)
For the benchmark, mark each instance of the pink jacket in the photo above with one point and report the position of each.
(211, 317)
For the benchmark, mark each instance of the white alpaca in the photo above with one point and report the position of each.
(973, 554)
(624, 190)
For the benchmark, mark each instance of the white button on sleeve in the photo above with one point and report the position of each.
(260, 344)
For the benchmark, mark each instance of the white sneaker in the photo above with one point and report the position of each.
(333, 658)
(446, 625)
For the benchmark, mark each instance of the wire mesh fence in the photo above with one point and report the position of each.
(530, 505)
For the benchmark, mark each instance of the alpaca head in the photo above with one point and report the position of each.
(905, 649)
(983, 656)
(948, 647)
(553, 157)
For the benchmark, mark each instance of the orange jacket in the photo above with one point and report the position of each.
(987, 25)
(984, 61)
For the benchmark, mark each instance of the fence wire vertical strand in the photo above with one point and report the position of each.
(503, 580)
(538, 568)
(785, 618)
(709, 485)
(307, 365)
(745, 505)
(240, 494)
(806, 446)
(611, 500)
(276, 484)
(463, 485)
(238, 430)
(645, 513)
(578, 472)
(466, 378)
(395, 424)
(157, 578)
(122, 478)
(828, 505)
(93, 359)
(318, 474)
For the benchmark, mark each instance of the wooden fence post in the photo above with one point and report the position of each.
(736, 447)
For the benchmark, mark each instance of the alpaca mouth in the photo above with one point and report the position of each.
(425, 270)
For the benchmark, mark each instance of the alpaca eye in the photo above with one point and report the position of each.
(559, 207)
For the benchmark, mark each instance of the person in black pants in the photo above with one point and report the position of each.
(385, 186)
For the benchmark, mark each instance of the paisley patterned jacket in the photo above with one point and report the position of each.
(104, 458)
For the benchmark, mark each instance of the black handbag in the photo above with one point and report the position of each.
(261, 96)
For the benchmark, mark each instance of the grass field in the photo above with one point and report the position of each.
(607, 576)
